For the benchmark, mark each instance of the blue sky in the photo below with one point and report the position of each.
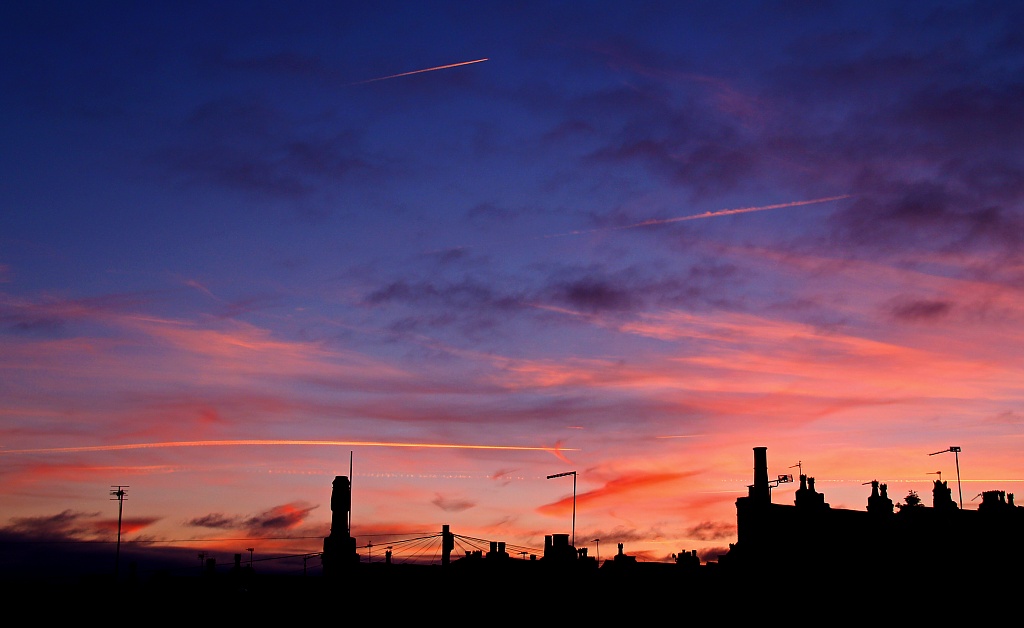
(635, 240)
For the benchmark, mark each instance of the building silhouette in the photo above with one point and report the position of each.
(882, 546)
(805, 549)
(806, 541)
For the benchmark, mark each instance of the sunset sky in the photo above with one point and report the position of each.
(459, 247)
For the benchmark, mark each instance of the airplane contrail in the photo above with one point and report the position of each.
(434, 69)
(708, 214)
(233, 443)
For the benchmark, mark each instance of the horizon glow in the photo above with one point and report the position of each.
(801, 229)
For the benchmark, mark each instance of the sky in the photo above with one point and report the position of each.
(449, 249)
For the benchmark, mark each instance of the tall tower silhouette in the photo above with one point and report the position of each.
(340, 546)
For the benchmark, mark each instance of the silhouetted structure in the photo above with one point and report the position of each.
(816, 543)
(806, 547)
(340, 546)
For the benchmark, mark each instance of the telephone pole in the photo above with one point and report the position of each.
(118, 494)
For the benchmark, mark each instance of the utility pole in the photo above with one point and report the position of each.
(118, 494)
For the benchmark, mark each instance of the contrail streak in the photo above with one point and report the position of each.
(235, 443)
(440, 67)
(709, 214)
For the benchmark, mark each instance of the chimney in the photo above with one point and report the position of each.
(447, 544)
(760, 491)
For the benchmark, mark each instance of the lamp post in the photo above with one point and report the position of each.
(573, 474)
(956, 453)
(250, 550)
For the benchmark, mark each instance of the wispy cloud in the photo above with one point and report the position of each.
(614, 489)
(264, 443)
(433, 69)
(709, 214)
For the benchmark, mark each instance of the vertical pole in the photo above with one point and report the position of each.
(117, 554)
(956, 453)
(348, 524)
(573, 474)
(119, 496)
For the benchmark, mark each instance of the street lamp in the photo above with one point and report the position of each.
(573, 474)
(250, 550)
(956, 453)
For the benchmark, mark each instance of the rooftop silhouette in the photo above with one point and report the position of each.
(887, 547)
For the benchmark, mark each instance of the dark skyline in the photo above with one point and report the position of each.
(816, 557)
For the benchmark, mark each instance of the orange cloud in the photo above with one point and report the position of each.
(129, 525)
(246, 443)
(613, 489)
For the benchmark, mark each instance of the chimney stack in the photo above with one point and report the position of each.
(760, 491)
